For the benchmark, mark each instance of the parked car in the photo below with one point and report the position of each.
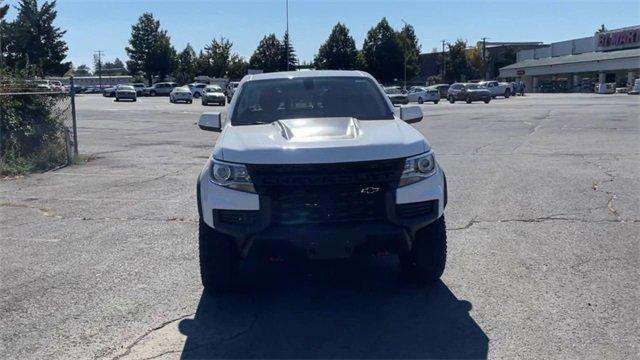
(468, 92)
(442, 89)
(333, 173)
(635, 90)
(56, 85)
(231, 89)
(396, 95)
(181, 93)
(126, 92)
(42, 85)
(421, 94)
(109, 91)
(139, 87)
(197, 89)
(161, 88)
(213, 94)
(498, 88)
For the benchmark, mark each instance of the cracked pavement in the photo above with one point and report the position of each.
(99, 260)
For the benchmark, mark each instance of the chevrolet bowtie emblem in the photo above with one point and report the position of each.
(369, 190)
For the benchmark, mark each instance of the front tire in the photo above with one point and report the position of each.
(486, 101)
(468, 100)
(451, 99)
(427, 259)
(435, 102)
(507, 93)
(219, 259)
(420, 101)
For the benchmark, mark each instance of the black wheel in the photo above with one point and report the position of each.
(135, 99)
(468, 100)
(196, 95)
(204, 103)
(486, 101)
(493, 96)
(427, 259)
(152, 93)
(117, 99)
(171, 99)
(420, 101)
(507, 93)
(452, 99)
(190, 101)
(223, 103)
(435, 102)
(219, 259)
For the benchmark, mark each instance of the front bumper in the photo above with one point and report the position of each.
(126, 95)
(247, 217)
(214, 99)
(182, 97)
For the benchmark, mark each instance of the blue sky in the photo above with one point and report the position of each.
(106, 24)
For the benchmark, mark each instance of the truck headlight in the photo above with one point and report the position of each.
(233, 176)
(418, 168)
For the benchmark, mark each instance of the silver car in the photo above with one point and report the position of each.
(213, 94)
(126, 92)
(421, 94)
(181, 93)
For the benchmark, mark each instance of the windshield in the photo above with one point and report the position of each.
(213, 89)
(474, 86)
(265, 101)
(125, 87)
(392, 91)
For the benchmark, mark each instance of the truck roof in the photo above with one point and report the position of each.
(305, 74)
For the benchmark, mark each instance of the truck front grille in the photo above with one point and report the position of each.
(321, 193)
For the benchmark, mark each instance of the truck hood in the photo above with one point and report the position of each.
(323, 140)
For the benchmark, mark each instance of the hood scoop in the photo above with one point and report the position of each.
(319, 129)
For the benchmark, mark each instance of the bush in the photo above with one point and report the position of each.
(32, 132)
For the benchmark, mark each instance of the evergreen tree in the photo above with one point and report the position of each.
(186, 69)
(237, 67)
(411, 50)
(82, 70)
(217, 55)
(145, 35)
(34, 41)
(288, 54)
(382, 53)
(268, 55)
(164, 57)
(338, 52)
(457, 65)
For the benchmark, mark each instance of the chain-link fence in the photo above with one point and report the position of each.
(37, 127)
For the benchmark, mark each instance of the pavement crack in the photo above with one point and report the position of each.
(130, 347)
(473, 221)
(44, 211)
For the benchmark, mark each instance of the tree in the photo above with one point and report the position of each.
(142, 51)
(34, 41)
(288, 54)
(411, 50)
(116, 67)
(382, 53)
(237, 67)
(457, 66)
(476, 63)
(217, 55)
(268, 55)
(186, 67)
(338, 52)
(164, 56)
(82, 70)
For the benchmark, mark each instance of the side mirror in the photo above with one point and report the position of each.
(210, 121)
(411, 114)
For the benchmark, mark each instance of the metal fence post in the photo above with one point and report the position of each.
(72, 93)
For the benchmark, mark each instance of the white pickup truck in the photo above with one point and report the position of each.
(318, 164)
(498, 88)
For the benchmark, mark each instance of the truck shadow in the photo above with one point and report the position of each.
(356, 308)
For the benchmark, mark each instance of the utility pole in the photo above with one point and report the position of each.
(484, 61)
(99, 52)
(443, 60)
(288, 38)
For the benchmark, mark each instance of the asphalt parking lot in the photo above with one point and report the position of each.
(99, 260)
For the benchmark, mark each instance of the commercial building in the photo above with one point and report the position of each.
(579, 65)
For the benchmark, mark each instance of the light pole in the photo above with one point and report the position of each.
(484, 61)
(99, 52)
(286, 46)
